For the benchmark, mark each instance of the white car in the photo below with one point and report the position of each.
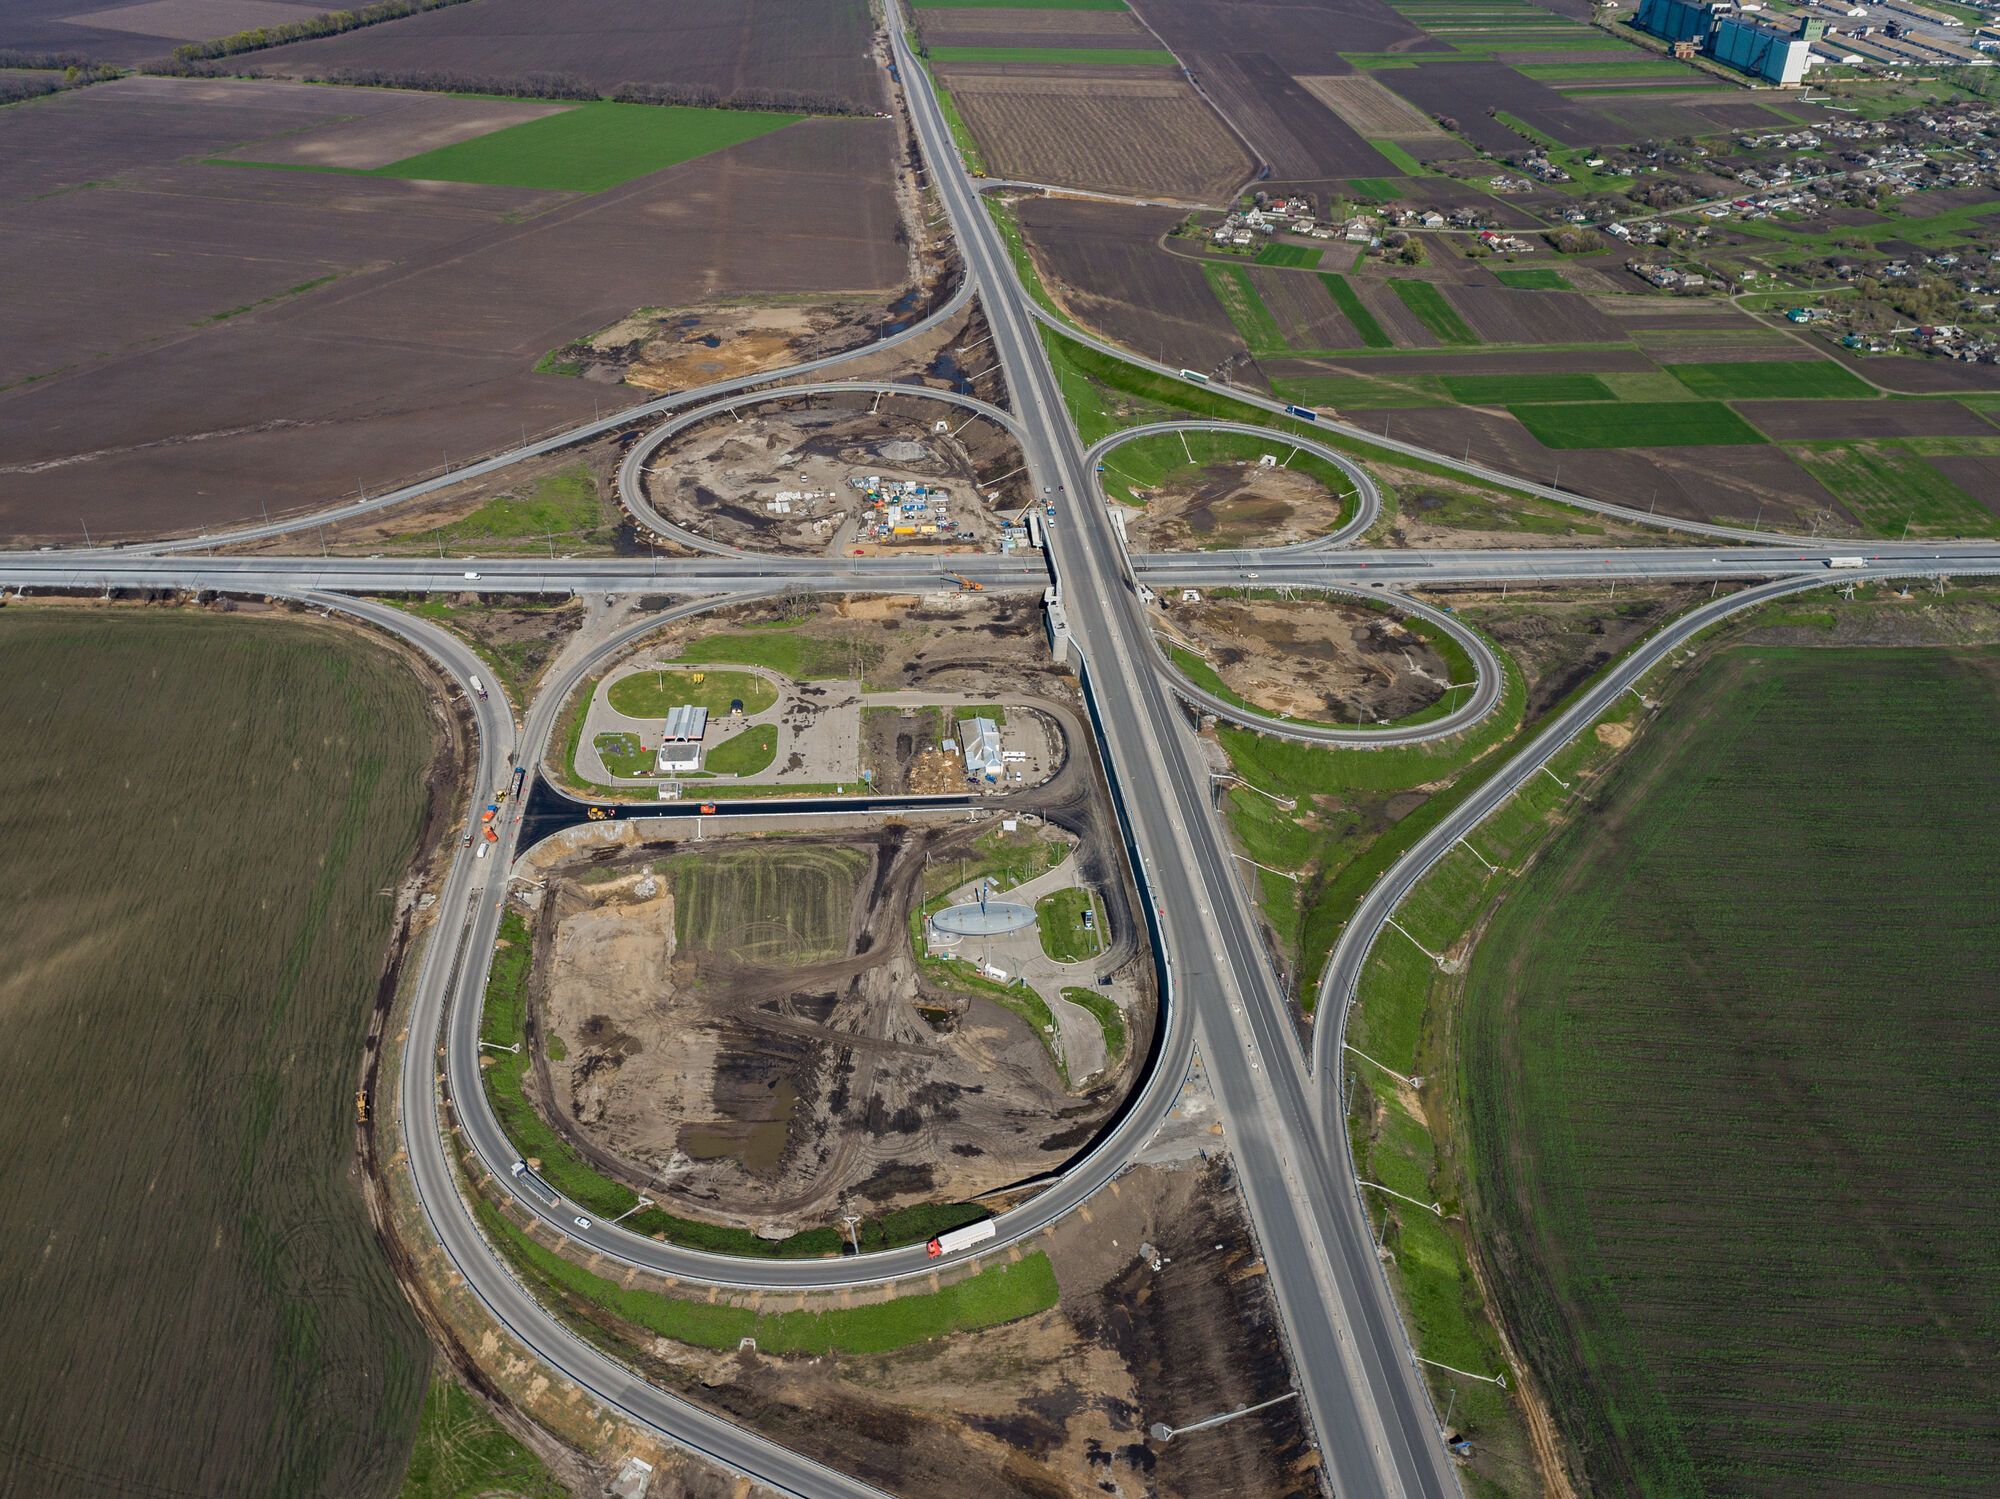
(583, 1223)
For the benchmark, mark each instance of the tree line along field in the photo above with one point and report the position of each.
(1728, 1072)
(192, 1297)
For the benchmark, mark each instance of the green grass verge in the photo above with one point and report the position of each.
(1435, 313)
(1366, 327)
(1104, 1010)
(1290, 255)
(1773, 379)
(1521, 127)
(650, 694)
(1059, 915)
(1498, 390)
(744, 754)
(994, 1295)
(1637, 424)
(561, 507)
(1138, 57)
(788, 651)
(1532, 278)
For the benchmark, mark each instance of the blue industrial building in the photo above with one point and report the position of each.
(1677, 20)
(1777, 54)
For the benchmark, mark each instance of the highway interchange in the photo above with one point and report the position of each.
(1367, 1402)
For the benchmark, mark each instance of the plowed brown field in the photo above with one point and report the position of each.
(1085, 128)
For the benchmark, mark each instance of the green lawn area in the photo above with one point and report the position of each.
(588, 148)
(1233, 289)
(1104, 1010)
(622, 756)
(462, 1452)
(1771, 379)
(980, 710)
(1532, 278)
(1154, 57)
(1434, 312)
(1637, 424)
(996, 1294)
(1498, 390)
(1059, 914)
(746, 753)
(649, 694)
(788, 651)
(1889, 487)
(1366, 328)
(1290, 255)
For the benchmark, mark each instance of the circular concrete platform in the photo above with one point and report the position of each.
(991, 920)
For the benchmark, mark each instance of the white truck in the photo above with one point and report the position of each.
(1847, 562)
(960, 1238)
(477, 686)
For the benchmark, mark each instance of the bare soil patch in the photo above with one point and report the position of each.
(1501, 315)
(1004, 26)
(1330, 662)
(1234, 504)
(1083, 127)
(811, 457)
(414, 123)
(665, 349)
(1788, 420)
(122, 35)
(1558, 640)
(1292, 130)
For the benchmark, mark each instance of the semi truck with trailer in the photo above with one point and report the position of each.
(960, 1238)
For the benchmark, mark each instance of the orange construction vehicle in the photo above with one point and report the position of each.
(966, 585)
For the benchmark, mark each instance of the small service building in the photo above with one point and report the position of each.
(680, 740)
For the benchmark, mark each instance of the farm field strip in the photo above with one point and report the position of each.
(1434, 312)
(1893, 491)
(1349, 302)
(1637, 424)
(1130, 57)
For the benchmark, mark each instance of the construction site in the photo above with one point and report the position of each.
(845, 474)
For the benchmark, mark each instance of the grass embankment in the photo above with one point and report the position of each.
(1104, 1010)
(463, 1453)
(194, 1300)
(997, 1294)
(504, 1023)
(1673, 1126)
(562, 509)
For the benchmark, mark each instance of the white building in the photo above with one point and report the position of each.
(982, 748)
(680, 740)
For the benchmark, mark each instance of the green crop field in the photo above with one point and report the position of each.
(650, 694)
(194, 1300)
(1637, 424)
(1233, 289)
(1532, 278)
(1144, 57)
(1893, 491)
(1774, 379)
(1497, 390)
(1729, 1067)
(1349, 302)
(1373, 189)
(1434, 312)
(588, 148)
(1398, 158)
(803, 654)
(1290, 255)
(746, 753)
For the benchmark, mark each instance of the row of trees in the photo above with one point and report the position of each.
(333, 23)
(47, 73)
(567, 86)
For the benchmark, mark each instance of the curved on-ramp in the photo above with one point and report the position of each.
(636, 465)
